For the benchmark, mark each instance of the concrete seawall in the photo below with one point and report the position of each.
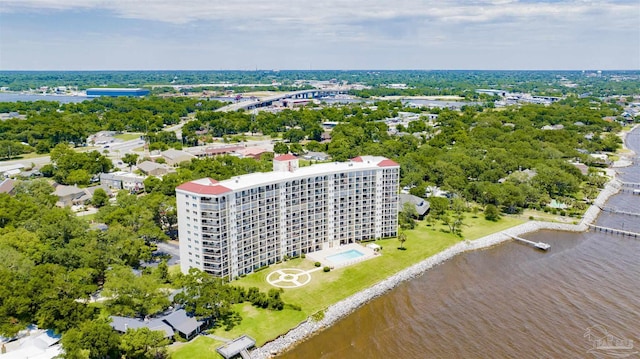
(343, 308)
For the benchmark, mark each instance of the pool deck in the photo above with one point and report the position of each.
(321, 256)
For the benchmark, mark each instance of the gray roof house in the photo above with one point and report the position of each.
(70, 195)
(122, 180)
(121, 324)
(316, 156)
(74, 195)
(154, 169)
(8, 186)
(178, 321)
(185, 325)
(422, 205)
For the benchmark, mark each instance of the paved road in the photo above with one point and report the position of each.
(172, 248)
(38, 161)
(114, 150)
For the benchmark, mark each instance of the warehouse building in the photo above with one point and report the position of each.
(117, 92)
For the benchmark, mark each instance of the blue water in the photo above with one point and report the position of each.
(15, 97)
(345, 256)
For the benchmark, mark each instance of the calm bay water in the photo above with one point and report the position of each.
(510, 301)
(15, 97)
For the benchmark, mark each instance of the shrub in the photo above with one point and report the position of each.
(293, 307)
(318, 316)
(303, 256)
(326, 269)
(317, 264)
(491, 213)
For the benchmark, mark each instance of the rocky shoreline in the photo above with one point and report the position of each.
(345, 307)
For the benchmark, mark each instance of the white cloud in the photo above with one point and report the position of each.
(312, 13)
(343, 33)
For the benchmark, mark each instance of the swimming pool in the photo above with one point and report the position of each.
(345, 256)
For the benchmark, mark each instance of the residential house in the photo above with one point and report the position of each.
(74, 195)
(325, 137)
(316, 156)
(122, 180)
(584, 169)
(10, 170)
(176, 322)
(37, 344)
(252, 152)
(121, 324)
(422, 206)
(8, 186)
(187, 326)
(71, 195)
(154, 169)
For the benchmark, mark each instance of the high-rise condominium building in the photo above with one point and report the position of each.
(236, 226)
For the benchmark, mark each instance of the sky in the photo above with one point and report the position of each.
(319, 34)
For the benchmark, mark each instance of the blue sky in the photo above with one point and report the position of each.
(318, 34)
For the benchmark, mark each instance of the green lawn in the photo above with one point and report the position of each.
(201, 348)
(88, 217)
(128, 136)
(328, 288)
(174, 269)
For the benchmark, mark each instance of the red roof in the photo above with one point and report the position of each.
(387, 163)
(213, 188)
(357, 159)
(287, 157)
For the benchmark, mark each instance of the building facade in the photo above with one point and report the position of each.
(117, 92)
(123, 180)
(236, 226)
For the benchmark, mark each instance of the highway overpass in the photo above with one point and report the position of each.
(268, 101)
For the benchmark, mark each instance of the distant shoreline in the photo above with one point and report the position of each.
(453, 98)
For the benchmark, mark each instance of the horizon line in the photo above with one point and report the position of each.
(317, 70)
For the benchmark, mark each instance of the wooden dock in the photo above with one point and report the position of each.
(540, 245)
(238, 346)
(630, 190)
(614, 231)
(631, 184)
(615, 211)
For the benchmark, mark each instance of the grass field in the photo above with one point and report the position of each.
(328, 288)
(201, 348)
(128, 136)
(88, 217)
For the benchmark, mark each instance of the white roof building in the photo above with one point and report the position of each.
(233, 227)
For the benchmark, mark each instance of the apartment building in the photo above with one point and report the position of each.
(233, 227)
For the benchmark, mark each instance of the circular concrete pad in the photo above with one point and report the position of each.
(289, 278)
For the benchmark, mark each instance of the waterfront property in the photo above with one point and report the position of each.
(236, 226)
(342, 256)
(175, 322)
